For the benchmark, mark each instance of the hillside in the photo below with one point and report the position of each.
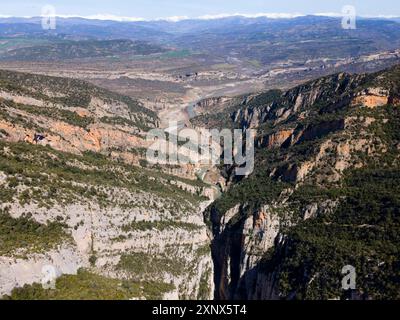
(68, 50)
(76, 195)
(324, 193)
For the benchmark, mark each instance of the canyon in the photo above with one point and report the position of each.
(79, 196)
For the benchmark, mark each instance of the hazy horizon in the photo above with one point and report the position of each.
(178, 9)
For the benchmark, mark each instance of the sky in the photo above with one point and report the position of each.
(155, 9)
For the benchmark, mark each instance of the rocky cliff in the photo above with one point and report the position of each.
(76, 198)
(324, 193)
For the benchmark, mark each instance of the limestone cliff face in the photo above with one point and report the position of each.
(130, 225)
(102, 232)
(239, 246)
(78, 132)
(101, 137)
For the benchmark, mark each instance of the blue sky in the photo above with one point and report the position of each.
(152, 9)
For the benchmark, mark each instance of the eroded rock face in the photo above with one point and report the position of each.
(240, 238)
(372, 98)
(295, 100)
(62, 136)
(244, 234)
(101, 232)
(371, 101)
(207, 105)
(276, 139)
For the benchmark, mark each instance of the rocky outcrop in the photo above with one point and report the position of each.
(278, 107)
(209, 105)
(372, 98)
(276, 139)
(102, 138)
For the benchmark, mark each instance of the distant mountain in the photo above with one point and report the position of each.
(263, 40)
(293, 40)
(80, 29)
